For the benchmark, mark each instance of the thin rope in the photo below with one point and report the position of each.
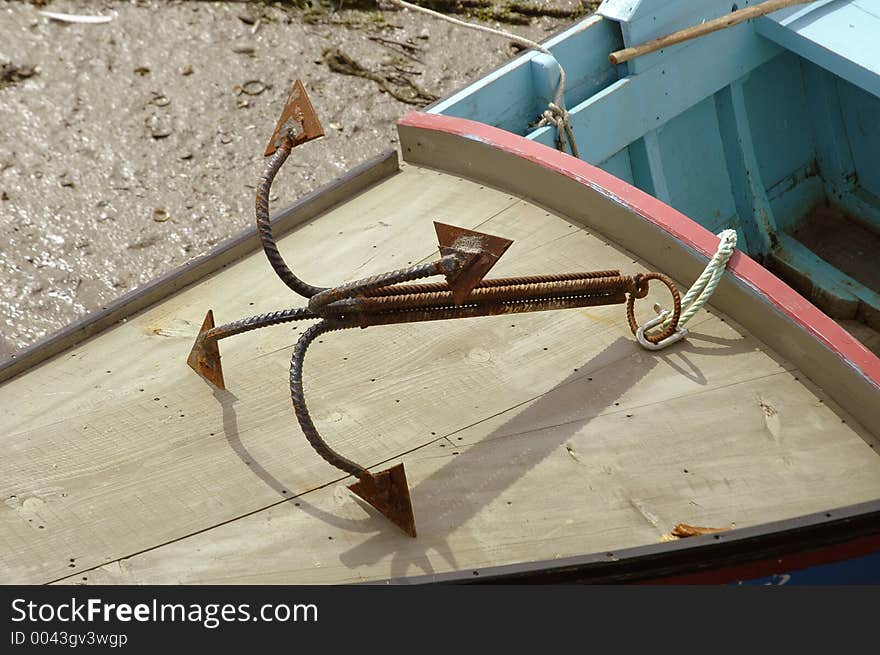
(699, 293)
(555, 114)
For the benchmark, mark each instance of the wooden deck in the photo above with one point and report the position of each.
(527, 437)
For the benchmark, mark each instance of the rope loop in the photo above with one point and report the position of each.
(557, 116)
(701, 290)
(642, 281)
(672, 326)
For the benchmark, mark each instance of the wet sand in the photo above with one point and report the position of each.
(137, 144)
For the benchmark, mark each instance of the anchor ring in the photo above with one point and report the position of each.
(640, 291)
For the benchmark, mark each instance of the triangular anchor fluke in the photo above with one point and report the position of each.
(204, 358)
(387, 492)
(298, 120)
(482, 251)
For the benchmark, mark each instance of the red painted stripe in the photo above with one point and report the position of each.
(784, 298)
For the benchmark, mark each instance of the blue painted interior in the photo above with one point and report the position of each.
(838, 35)
(693, 162)
(514, 96)
(750, 127)
(860, 112)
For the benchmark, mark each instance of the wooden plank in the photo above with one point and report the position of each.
(744, 171)
(581, 445)
(654, 158)
(128, 472)
(861, 118)
(868, 336)
(512, 492)
(695, 31)
(199, 267)
(117, 446)
(619, 165)
(778, 112)
(835, 292)
(583, 52)
(696, 173)
(833, 151)
(654, 18)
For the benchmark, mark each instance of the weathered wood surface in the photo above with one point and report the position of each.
(117, 445)
(525, 437)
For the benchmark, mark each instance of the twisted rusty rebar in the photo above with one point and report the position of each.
(258, 321)
(392, 297)
(350, 290)
(264, 224)
(496, 282)
(297, 396)
(642, 280)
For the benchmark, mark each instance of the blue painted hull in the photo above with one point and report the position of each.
(863, 570)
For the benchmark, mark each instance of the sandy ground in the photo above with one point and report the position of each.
(137, 143)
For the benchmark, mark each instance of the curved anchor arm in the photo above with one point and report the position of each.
(204, 358)
(299, 402)
(256, 322)
(264, 226)
(386, 491)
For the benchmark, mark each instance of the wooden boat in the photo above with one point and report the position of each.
(770, 127)
(543, 446)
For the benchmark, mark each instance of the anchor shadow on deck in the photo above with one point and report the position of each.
(440, 508)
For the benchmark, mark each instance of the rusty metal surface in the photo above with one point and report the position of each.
(264, 225)
(405, 299)
(480, 251)
(496, 282)
(298, 123)
(388, 492)
(204, 358)
(297, 397)
(642, 281)
(466, 257)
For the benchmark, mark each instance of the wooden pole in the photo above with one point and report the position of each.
(720, 23)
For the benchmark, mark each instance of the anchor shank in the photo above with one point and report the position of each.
(421, 315)
(494, 294)
(431, 287)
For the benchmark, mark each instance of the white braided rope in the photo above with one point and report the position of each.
(555, 114)
(558, 117)
(699, 293)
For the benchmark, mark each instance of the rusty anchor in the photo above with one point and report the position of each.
(465, 258)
